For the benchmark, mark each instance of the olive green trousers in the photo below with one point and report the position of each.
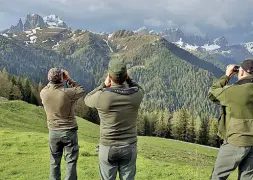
(113, 159)
(229, 158)
(63, 142)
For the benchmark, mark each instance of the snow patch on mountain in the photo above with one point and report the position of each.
(226, 52)
(5, 35)
(33, 39)
(54, 21)
(207, 47)
(210, 47)
(110, 36)
(191, 47)
(55, 46)
(107, 42)
(180, 42)
(249, 47)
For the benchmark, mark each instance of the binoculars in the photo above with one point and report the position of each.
(236, 69)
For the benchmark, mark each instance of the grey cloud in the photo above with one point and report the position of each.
(194, 16)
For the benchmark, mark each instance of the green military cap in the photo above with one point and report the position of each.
(117, 69)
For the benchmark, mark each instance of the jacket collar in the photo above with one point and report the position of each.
(118, 86)
(53, 85)
(248, 79)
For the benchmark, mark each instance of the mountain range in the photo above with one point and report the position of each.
(33, 21)
(172, 74)
(218, 48)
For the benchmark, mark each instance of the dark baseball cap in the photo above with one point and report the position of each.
(247, 66)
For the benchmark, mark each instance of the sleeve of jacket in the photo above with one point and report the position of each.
(91, 99)
(218, 90)
(78, 90)
(132, 83)
(79, 93)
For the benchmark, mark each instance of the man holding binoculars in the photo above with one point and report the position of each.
(236, 123)
(58, 101)
(117, 101)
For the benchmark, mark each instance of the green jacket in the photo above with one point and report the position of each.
(58, 102)
(117, 111)
(236, 124)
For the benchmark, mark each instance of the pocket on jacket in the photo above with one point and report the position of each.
(240, 126)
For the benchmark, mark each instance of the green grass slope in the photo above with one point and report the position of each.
(24, 151)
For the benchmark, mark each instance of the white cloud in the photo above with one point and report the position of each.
(153, 22)
(61, 1)
(192, 29)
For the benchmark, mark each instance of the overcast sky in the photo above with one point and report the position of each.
(193, 16)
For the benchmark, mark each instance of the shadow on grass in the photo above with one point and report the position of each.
(87, 154)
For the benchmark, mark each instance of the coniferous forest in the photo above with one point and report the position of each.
(175, 81)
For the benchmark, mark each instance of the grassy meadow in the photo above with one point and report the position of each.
(24, 152)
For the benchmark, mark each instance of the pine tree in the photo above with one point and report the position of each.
(15, 93)
(175, 124)
(204, 130)
(151, 123)
(27, 91)
(167, 124)
(213, 138)
(191, 131)
(40, 87)
(13, 80)
(21, 87)
(180, 120)
(146, 124)
(5, 84)
(140, 124)
(184, 118)
(159, 125)
(197, 127)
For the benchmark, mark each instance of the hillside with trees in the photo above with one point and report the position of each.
(175, 81)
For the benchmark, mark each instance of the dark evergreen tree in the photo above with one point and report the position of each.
(213, 138)
(204, 130)
(191, 131)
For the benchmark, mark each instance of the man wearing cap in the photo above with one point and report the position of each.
(58, 101)
(236, 123)
(117, 101)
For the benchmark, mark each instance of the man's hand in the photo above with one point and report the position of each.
(229, 71)
(128, 80)
(65, 75)
(107, 81)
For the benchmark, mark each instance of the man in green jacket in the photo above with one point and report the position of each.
(58, 101)
(236, 124)
(117, 101)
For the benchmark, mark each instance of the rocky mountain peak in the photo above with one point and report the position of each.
(197, 40)
(122, 33)
(221, 41)
(18, 28)
(33, 21)
(55, 21)
(144, 30)
(172, 34)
